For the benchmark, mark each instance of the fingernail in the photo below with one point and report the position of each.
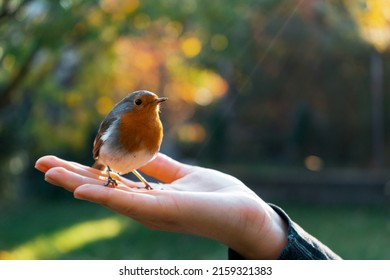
(50, 180)
(78, 196)
(39, 165)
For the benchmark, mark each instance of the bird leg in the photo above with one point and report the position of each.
(142, 179)
(110, 181)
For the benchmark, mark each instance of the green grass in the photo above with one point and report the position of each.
(353, 232)
(69, 229)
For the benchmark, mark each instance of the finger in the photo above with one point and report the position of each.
(47, 162)
(69, 180)
(129, 202)
(165, 169)
(163, 210)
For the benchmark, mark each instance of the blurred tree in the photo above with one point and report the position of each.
(373, 20)
(64, 65)
(271, 80)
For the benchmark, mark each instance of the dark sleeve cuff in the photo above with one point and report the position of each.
(300, 246)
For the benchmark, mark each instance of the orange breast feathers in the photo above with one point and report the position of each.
(139, 132)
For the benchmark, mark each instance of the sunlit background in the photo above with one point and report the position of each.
(291, 97)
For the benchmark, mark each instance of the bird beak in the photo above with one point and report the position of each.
(161, 99)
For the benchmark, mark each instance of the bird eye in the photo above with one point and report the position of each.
(138, 102)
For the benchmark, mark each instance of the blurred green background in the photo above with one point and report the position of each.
(289, 96)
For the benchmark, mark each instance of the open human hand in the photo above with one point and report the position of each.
(189, 199)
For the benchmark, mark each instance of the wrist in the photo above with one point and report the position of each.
(264, 236)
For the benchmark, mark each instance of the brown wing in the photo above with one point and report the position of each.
(98, 142)
(118, 109)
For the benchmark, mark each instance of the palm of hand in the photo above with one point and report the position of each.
(191, 199)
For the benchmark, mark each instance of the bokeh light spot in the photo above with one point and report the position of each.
(141, 21)
(191, 133)
(203, 96)
(191, 46)
(119, 6)
(219, 42)
(313, 163)
(104, 105)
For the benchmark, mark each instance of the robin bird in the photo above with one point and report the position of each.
(129, 136)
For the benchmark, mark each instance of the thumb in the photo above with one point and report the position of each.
(165, 169)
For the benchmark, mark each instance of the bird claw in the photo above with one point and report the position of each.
(111, 183)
